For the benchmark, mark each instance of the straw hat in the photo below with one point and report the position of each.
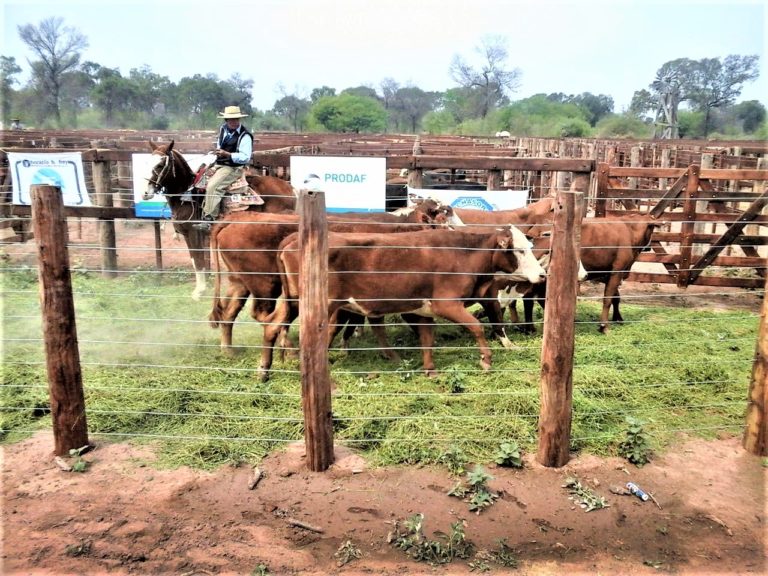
(232, 112)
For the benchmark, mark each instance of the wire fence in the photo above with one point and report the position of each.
(153, 368)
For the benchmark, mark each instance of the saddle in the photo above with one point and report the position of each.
(239, 195)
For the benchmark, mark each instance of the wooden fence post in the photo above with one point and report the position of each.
(313, 332)
(556, 383)
(62, 356)
(102, 184)
(756, 434)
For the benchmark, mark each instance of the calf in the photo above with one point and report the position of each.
(431, 273)
(246, 244)
(608, 251)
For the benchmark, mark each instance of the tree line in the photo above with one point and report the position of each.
(687, 98)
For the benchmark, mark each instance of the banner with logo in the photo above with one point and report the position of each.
(350, 183)
(61, 169)
(477, 199)
(142, 164)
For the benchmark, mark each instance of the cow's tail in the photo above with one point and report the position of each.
(215, 315)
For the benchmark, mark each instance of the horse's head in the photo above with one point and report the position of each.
(161, 170)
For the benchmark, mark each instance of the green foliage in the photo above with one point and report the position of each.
(541, 116)
(509, 455)
(584, 496)
(636, 446)
(408, 535)
(623, 126)
(350, 113)
(475, 490)
(455, 460)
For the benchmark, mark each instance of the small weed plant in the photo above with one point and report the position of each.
(346, 553)
(636, 446)
(584, 496)
(455, 460)
(408, 535)
(79, 465)
(509, 455)
(475, 491)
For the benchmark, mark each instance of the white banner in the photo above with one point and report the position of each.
(61, 169)
(477, 199)
(350, 183)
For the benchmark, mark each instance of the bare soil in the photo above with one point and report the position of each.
(125, 516)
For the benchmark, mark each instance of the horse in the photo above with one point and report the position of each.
(173, 177)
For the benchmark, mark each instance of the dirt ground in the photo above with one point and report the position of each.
(124, 516)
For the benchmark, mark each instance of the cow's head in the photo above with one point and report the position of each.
(541, 241)
(514, 260)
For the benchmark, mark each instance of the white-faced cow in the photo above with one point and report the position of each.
(431, 273)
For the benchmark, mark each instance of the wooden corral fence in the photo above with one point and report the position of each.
(714, 203)
(721, 208)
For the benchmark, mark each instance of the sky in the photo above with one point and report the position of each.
(611, 47)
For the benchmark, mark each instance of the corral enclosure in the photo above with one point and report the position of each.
(680, 363)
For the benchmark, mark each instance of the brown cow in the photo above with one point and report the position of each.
(432, 273)
(608, 251)
(246, 243)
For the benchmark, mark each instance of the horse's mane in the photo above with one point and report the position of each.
(179, 160)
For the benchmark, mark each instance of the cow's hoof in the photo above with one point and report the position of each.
(603, 328)
(263, 374)
(228, 351)
(430, 373)
(392, 357)
(485, 365)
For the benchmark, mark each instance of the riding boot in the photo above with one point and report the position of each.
(205, 225)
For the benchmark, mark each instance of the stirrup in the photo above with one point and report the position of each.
(186, 196)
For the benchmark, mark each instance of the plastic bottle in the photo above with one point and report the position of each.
(635, 489)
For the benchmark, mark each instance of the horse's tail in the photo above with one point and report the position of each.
(215, 315)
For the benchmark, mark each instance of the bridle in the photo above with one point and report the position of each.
(167, 168)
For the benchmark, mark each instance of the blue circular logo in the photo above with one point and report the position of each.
(47, 176)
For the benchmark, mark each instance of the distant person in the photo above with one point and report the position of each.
(16, 124)
(233, 151)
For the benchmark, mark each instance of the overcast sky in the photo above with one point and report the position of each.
(611, 47)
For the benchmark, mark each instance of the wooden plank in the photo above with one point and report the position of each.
(732, 174)
(670, 195)
(727, 238)
(77, 212)
(718, 281)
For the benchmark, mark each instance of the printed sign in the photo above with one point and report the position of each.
(64, 170)
(476, 199)
(157, 206)
(349, 183)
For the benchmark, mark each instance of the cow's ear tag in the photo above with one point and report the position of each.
(503, 242)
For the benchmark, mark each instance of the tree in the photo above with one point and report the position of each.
(409, 105)
(490, 77)
(703, 84)
(293, 109)
(112, 93)
(714, 84)
(200, 97)
(365, 91)
(58, 48)
(8, 69)
(750, 113)
(350, 113)
(321, 92)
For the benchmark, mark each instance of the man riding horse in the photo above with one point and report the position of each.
(234, 147)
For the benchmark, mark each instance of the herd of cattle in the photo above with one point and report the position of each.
(422, 262)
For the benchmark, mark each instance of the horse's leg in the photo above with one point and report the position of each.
(198, 249)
